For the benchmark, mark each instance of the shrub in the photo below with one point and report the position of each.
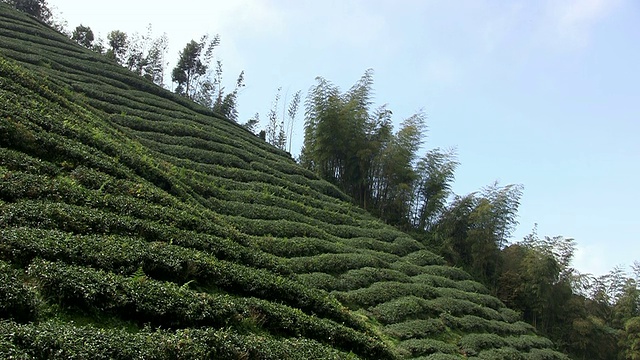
(505, 353)
(17, 301)
(399, 310)
(162, 261)
(427, 328)
(423, 258)
(366, 276)
(472, 344)
(545, 354)
(481, 299)
(369, 243)
(508, 315)
(439, 357)
(408, 268)
(435, 280)
(319, 280)
(334, 263)
(448, 272)
(299, 246)
(381, 292)
(471, 286)
(58, 341)
(407, 245)
(459, 307)
(146, 301)
(528, 342)
(418, 347)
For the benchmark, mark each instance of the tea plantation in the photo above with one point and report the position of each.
(135, 224)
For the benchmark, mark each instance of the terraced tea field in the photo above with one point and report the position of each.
(135, 224)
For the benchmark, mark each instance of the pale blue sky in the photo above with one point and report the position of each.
(542, 93)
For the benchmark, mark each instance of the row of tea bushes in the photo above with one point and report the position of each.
(148, 301)
(55, 340)
(81, 220)
(17, 301)
(161, 261)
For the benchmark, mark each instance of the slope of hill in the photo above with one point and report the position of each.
(135, 224)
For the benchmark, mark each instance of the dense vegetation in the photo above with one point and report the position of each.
(134, 223)
(354, 147)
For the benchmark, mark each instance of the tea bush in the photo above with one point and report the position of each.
(57, 341)
(333, 263)
(546, 354)
(366, 276)
(423, 258)
(473, 344)
(382, 292)
(420, 347)
(121, 200)
(426, 328)
(17, 300)
(148, 301)
(528, 342)
(500, 354)
(401, 309)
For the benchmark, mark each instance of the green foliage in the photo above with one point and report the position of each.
(382, 292)
(55, 340)
(501, 353)
(165, 262)
(165, 304)
(472, 344)
(435, 173)
(118, 45)
(473, 324)
(17, 301)
(83, 35)
(39, 9)
(366, 276)
(546, 354)
(421, 347)
(439, 357)
(427, 328)
(424, 258)
(334, 263)
(136, 224)
(401, 309)
(631, 339)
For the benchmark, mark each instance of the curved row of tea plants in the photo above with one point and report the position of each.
(136, 224)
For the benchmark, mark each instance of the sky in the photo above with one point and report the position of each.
(540, 93)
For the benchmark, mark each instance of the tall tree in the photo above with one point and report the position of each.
(473, 229)
(393, 198)
(226, 104)
(83, 36)
(201, 83)
(39, 9)
(342, 136)
(630, 341)
(273, 126)
(280, 128)
(435, 174)
(155, 60)
(292, 112)
(192, 65)
(252, 123)
(118, 46)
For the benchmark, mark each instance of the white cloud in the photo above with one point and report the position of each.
(572, 21)
(252, 17)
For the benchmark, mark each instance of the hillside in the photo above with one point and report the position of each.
(135, 224)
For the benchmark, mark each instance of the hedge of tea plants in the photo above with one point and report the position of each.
(135, 224)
